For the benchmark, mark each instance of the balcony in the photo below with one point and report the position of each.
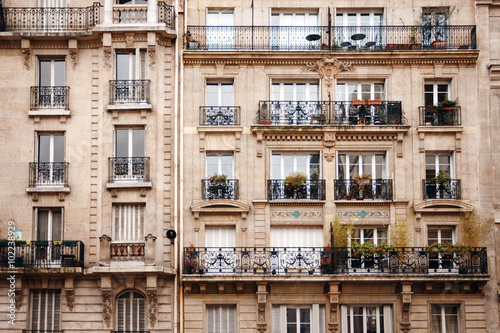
(450, 190)
(48, 174)
(129, 91)
(375, 189)
(228, 190)
(310, 190)
(328, 261)
(219, 115)
(42, 254)
(440, 116)
(129, 331)
(127, 251)
(46, 19)
(135, 169)
(286, 113)
(166, 14)
(49, 98)
(324, 38)
(43, 331)
(138, 14)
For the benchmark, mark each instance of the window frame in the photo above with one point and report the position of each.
(317, 315)
(128, 316)
(307, 90)
(56, 312)
(219, 156)
(228, 307)
(440, 229)
(220, 93)
(130, 141)
(351, 154)
(347, 96)
(127, 228)
(347, 319)
(137, 70)
(308, 156)
(442, 306)
(50, 220)
(438, 166)
(375, 238)
(53, 71)
(437, 96)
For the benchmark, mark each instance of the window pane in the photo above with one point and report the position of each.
(368, 235)
(123, 66)
(367, 164)
(212, 94)
(371, 319)
(342, 166)
(288, 165)
(275, 92)
(340, 92)
(444, 163)
(379, 167)
(432, 236)
(302, 161)
(138, 143)
(313, 92)
(353, 166)
(300, 92)
(276, 167)
(442, 92)
(44, 148)
(446, 236)
(305, 321)
(122, 143)
(212, 165)
(58, 148)
(365, 92)
(352, 92)
(227, 94)
(288, 92)
(227, 165)
(429, 94)
(45, 73)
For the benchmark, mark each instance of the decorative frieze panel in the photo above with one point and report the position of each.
(362, 213)
(296, 214)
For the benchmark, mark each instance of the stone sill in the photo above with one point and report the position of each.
(49, 112)
(129, 107)
(439, 129)
(128, 184)
(48, 189)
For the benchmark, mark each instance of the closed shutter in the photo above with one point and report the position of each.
(296, 237)
(221, 319)
(128, 222)
(131, 312)
(46, 310)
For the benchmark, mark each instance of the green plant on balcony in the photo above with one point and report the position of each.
(294, 184)
(448, 103)
(442, 178)
(475, 227)
(341, 233)
(369, 249)
(191, 260)
(448, 250)
(218, 179)
(360, 183)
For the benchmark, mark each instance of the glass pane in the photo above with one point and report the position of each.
(432, 236)
(56, 225)
(227, 94)
(291, 315)
(122, 143)
(287, 20)
(212, 94)
(444, 163)
(58, 148)
(43, 225)
(341, 166)
(381, 235)
(288, 165)
(123, 66)
(59, 73)
(353, 166)
(275, 20)
(314, 170)
(377, 19)
(351, 20)
(368, 235)
(365, 20)
(442, 92)
(379, 91)
(302, 161)
(227, 165)
(446, 236)
(313, 92)
(379, 167)
(227, 19)
(313, 20)
(44, 148)
(339, 20)
(212, 165)
(430, 167)
(276, 167)
(45, 73)
(212, 18)
(138, 143)
(429, 94)
(300, 92)
(356, 235)
(340, 92)
(371, 319)
(366, 164)
(352, 92)
(300, 20)
(275, 92)
(358, 319)
(305, 321)
(366, 92)
(288, 92)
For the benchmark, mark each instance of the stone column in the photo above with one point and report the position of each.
(152, 11)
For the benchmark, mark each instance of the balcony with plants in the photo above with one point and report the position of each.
(446, 113)
(331, 38)
(42, 254)
(218, 186)
(335, 113)
(363, 188)
(442, 187)
(296, 186)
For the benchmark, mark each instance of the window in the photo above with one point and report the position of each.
(220, 163)
(366, 319)
(295, 237)
(284, 164)
(372, 235)
(45, 310)
(359, 91)
(130, 75)
(351, 165)
(50, 166)
(297, 92)
(130, 162)
(221, 319)
(436, 92)
(299, 318)
(128, 222)
(49, 224)
(440, 263)
(220, 29)
(289, 30)
(220, 242)
(132, 2)
(445, 318)
(434, 26)
(131, 312)
(437, 162)
(294, 103)
(365, 23)
(51, 83)
(220, 94)
(440, 235)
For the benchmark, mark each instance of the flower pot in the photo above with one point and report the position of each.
(358, 102)
(349, 197)
(448, 108)
(265, 122)
(374, 102)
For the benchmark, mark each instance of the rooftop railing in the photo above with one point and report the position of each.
(326, 261)
(212, 190)
(449, 190)
(47, 19)
(296, 38)
(373, 112)
(374, 189)
(440, 116)
(277, 189)
(219, 115)
(42, 254)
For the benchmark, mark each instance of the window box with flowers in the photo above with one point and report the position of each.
(295, 186)
(369, 255)
(446, 255)
(217, 186)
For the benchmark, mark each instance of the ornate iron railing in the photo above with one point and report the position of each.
(48, 174)
(374, 189)
(450, 190)
(129, 331)
(166, 14)
(129, 91)
(212, 190)
(127, 250)
(42, 254)
(310, 190)
(128, 168)
(368, 38)
(219, 115)
(330, 113)
(440, 116)
(43, 331)
(279, 260)
(49, 19)
(49, 98)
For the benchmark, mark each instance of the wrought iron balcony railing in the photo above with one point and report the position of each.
(128, 169)
(129, 331)
(42, 254)
(350, 113)
(212, 190)
(369, 38)
(440, 116)
(219, 115)
(129, 91)
(166, 14)
(49, 98)
(324, 261)
(310, 190)
(48, 174)
(375, 189)
(43, 331)
(48, 19)
(450, 190)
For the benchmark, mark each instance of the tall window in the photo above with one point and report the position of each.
(49, 224)
(366, 319)
(131, 65)
(51, 82)
(372, 235)
(50, 166)
(359, 91)
(220, 163)
(45, 310)
(434, 22)
(131, 312)
(363, 24)
(129, 162)
(445, 318)
(128, 222)
(220, 29)
(299, 318)
(436, 162)
(436, 92)
(351, 165)
(220, 94)
(284, 164)
(221, 318)
(220, 241)
(289, 30)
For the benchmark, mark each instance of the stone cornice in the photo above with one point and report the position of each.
(394, 58)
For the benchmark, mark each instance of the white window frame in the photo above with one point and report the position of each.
(350, 155)
(342, 91)
(281, 91)
(347, 318)
(51, 146)
(435, 91)
(443, 316)
(220, 93)
(377, 234)
(317, 317)
(128, 224)
(215, 318)
(53, 70)
(219, 156)
(46, 303)
(439, 230)
(437, 165)
(137, 70)
(131, 311)
(295, 155)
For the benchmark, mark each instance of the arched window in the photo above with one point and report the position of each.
(131, 312)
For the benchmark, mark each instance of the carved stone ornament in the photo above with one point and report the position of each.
(328, 68)
(152, 56)
(73, 53)
(18, 299)
(152, 307)
(107, 303)
(107, 57)
(70, 299)
(329, 156)
(27, 58)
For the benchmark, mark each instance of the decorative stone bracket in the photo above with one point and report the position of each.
(405, 308)
(261, 302)
(107, 299)
(69, 293)
(152, 294)
(334, 297)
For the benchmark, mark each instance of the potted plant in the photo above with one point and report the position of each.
(294, 185)
(442, 178)
(218, 179)
(448, 104)
(358, 102)
(374, 102)
(361, 182)
(327, 260)
(191, 260)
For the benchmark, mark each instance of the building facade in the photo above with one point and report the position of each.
(260, 166)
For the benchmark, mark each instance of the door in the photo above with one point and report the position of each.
(130, 75)
(49, 227)
(359, 30)
(289, 31)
